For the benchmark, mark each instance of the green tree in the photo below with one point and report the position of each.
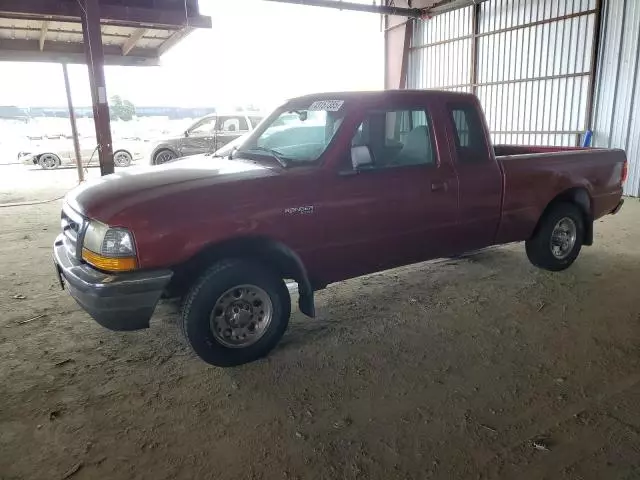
(121, 109)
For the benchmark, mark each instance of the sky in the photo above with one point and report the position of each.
(256, 52)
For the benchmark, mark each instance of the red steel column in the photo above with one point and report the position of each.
(95, 62)
(74, 128)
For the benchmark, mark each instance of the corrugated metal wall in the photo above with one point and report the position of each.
(617, 101)
(441, 52)
(529, 62)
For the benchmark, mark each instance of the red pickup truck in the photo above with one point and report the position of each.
(359, 183)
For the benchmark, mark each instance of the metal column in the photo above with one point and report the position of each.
(74, 128)
(95, 62)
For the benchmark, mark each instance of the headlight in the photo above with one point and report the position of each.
(110, 249)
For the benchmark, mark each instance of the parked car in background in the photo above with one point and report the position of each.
(396, 177)
(206, 135)
(50, 154)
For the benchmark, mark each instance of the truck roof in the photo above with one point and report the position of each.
(373, 96)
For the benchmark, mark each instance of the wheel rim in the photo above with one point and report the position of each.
(563, 238)
(48, 161)
(122, 159)
(241, 316)
(164, 157)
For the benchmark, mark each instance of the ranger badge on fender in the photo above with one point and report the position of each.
(305, 210)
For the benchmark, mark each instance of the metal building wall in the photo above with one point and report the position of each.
(617, 101)
(441, 52)
(530, 62)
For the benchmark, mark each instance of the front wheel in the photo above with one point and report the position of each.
(122, 158)
(558, 239)
(163, 156)
(236, 313)
(49, 161)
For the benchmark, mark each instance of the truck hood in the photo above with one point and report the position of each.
(106, 197)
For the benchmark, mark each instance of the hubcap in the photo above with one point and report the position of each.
(241, 316)
(164, 157)
(48, 161)
(563, 238)
(121, 159)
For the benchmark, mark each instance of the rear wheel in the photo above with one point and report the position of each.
(236, 313)
(49, 161)
(122, 158)
(558, 240)
(163, 156)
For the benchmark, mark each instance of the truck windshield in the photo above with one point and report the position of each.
(297, 136)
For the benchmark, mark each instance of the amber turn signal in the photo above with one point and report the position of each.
(109, 264)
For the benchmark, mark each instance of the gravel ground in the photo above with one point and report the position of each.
(482, 367)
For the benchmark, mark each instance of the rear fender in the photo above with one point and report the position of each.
(580, 197)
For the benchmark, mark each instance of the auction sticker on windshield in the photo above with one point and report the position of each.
(326, 105)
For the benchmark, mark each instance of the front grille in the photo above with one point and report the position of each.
(72, 225)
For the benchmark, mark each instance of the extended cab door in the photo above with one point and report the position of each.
(401, 207)
(479, 175)
(199, 138)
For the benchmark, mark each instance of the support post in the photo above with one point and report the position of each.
(406, 51)
(74, 128)
(95, 62)
(475, 19)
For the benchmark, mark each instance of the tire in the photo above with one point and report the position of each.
(122, 158)
(207, 315)
(49, 161)
(547, 248)
(163, 156)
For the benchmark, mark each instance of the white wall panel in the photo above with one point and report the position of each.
(617, 103)
(533, 71)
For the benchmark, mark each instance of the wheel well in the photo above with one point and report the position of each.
(578, 196)
(123, 151)
(268, 252)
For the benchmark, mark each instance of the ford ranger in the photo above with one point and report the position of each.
(379, 180)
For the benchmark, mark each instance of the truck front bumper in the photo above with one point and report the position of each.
(123, 301)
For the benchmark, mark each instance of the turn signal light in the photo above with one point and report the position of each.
(625, 172)
(109, 264)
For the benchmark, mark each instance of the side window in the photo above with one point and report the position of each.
(232, 124)
(470, 140)
(396, 138)
(204, 128)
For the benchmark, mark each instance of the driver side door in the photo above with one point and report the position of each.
(199, 138)
(399, 209)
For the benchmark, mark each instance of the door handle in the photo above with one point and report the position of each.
(439, 186)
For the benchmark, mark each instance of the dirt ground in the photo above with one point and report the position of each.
(480, 368)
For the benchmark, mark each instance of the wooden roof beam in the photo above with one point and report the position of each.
(43, 33)
(132, 40)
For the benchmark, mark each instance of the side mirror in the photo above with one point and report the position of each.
(186, 133)
(361, 156)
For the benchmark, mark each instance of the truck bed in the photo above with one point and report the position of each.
(534, 175)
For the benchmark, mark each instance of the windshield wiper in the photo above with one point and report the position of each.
(283, 161)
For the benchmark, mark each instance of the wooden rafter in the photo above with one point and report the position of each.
(132, 40)
(43, 33)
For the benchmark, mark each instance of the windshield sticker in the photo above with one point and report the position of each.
(327, 105)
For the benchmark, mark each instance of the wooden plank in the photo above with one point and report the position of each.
(132, 40)
(174, 39)
(43, 33)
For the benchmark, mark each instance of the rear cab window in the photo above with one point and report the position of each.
(470, 141)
